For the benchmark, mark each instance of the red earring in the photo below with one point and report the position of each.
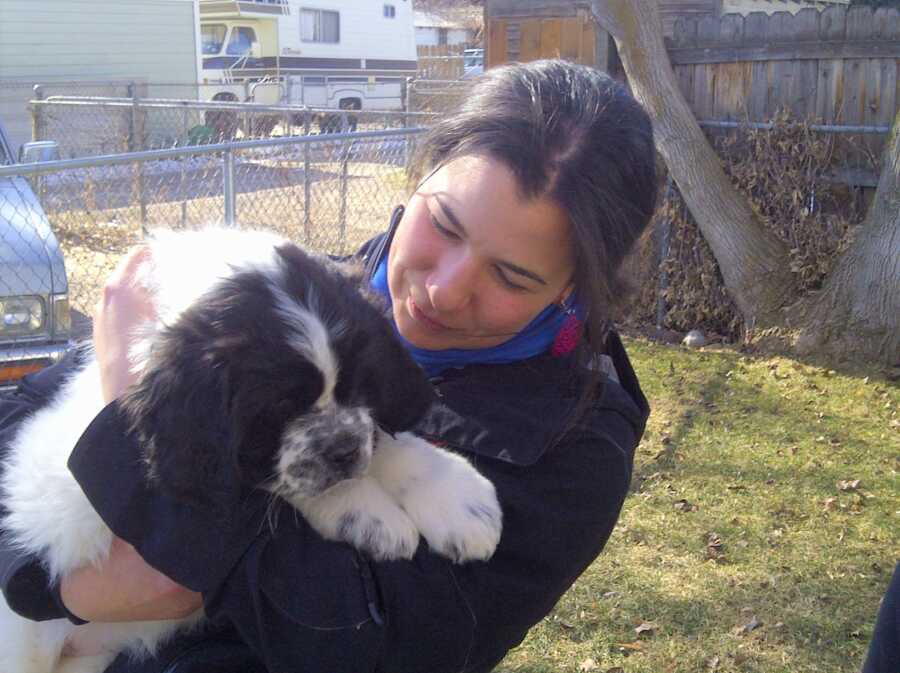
(568, 335)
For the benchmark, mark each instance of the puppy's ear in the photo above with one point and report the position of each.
(179, 412)
(402, 391)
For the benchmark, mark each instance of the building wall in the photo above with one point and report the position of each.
(68, 41)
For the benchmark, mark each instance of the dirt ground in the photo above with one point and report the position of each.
(96, 221)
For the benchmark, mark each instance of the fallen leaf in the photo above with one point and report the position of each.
(636, 646)
(615, 669)
(712, 663)
(684, 506)
(753, 624)
(610, 594)
(646, 627)
(588, 665)
(848, 484)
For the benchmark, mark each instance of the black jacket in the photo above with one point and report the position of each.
(304, 604)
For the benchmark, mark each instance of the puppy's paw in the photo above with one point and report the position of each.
(457, 512)
(386, 536)
(359, 512)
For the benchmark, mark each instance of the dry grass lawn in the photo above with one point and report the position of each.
(760, 533)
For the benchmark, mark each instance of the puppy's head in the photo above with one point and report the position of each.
(278, 377)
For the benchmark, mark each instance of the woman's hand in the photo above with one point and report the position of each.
(123, 307)
(125, 589)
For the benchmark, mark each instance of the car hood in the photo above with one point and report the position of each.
(31, 261)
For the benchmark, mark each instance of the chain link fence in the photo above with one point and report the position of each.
(93, 125)
(65, 224)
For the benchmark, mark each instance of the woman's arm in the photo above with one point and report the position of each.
(124, 588)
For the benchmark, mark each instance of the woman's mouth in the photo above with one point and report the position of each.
(423, 320)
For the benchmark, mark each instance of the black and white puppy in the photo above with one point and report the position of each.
(267, 366)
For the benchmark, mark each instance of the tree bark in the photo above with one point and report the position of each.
(754, 263)
(857, 312)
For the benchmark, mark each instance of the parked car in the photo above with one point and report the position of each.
(35, 322)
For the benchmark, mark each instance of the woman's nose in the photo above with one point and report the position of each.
(451, 282)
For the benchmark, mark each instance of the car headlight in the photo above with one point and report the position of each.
(21, 316)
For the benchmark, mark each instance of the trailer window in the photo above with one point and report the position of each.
(241, 42)
(320, 25)
(212, 36)
(390, 11)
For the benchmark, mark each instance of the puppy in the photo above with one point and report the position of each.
(266, 366)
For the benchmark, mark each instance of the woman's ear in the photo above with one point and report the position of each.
(563, 296)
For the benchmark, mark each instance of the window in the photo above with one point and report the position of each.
(390, 11)
(442, 36)
(320, 25)
(211, 37)
(241, 42)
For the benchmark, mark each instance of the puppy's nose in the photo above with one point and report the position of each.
(345, 449)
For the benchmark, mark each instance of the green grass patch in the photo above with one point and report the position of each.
(746, 543)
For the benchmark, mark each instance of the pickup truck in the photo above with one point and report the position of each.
(35, 321)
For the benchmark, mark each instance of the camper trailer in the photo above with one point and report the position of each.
(347, 54)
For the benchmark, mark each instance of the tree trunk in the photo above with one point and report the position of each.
(857, 312)
(754, 263)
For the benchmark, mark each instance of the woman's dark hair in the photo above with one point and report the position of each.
(573, 134)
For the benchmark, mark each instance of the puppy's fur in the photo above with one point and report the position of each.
(266, 367)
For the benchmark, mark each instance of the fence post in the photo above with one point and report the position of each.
(37, 114)
(342, 222)
(185, 122)
(228, 187)
(307, 118)
(135, 133)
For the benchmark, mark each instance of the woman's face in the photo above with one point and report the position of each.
(472, 263)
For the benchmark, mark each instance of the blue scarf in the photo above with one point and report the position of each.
(537, 337)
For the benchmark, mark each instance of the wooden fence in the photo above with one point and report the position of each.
(838, 66)
(443, 62)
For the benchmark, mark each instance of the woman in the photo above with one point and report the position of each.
(501, 275)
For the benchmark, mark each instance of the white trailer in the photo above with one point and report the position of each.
(347, 54)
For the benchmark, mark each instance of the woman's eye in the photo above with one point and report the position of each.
(508, 283)
(442, 230)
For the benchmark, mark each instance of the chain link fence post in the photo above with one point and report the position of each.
(342, 210)
(307, 180)
(37, 114)
(135, 144)
(228, 187)
(38, 128)
(185, 130)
